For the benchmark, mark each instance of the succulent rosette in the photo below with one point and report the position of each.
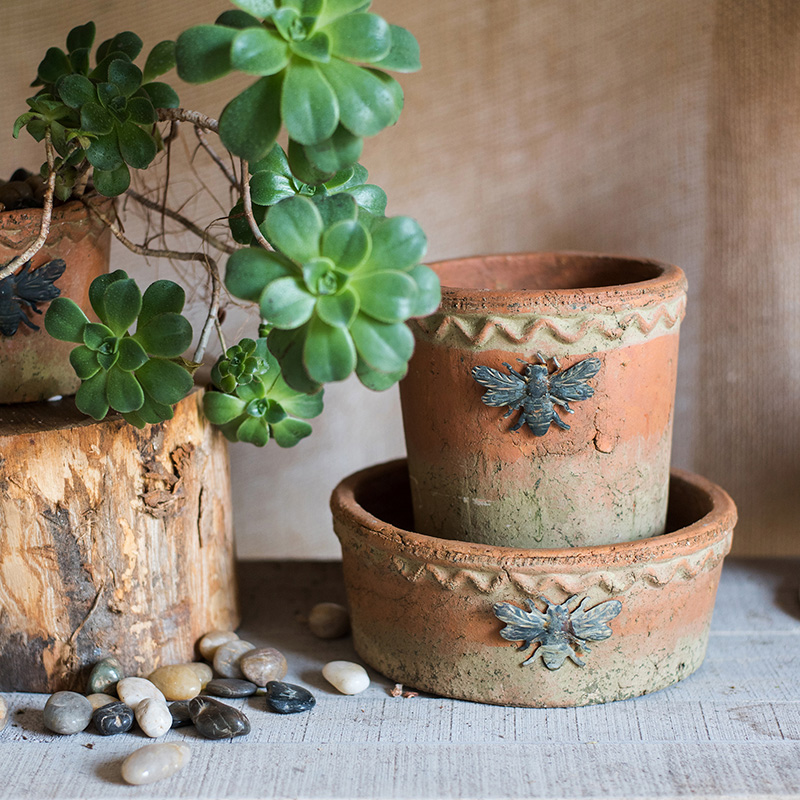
(142, 375)
(320, 68)
(255, 404)
(337, 294)
(105, 114)
(272, 180)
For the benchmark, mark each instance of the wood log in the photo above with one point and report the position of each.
(113, 541)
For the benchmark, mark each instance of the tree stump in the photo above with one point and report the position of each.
(113, 541)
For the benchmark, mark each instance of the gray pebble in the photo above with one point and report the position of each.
(104, 676)
(180, 713)
(230, 687)
(67, 712)
(215, 720)
(226, 657)
(113, 718)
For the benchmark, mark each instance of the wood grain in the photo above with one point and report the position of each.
(114, 541)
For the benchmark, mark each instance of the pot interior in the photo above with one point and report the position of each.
(387, 496)
(545, 271)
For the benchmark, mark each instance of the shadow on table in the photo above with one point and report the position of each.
(782, 573)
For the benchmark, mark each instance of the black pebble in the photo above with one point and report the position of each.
(113, 718)
(215, 720)
(288, 698)
(230, 687)
(180, 713)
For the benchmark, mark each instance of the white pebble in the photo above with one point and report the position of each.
(154, 762)
(347, 677)
(154, 717)
(211, 641)
(100, 699)
(3, 713)
(329, 621)
(133, 690)
(227, 656)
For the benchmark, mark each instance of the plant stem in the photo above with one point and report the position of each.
(185, 115)
(47, 215)
(215, 157)
(247, 200)
(205, 259)
(188, 224)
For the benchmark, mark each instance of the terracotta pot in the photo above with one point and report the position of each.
(33, 365)
(429, 613)
(604, 479)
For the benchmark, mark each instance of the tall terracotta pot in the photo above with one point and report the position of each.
(33, 365)
(601, 480)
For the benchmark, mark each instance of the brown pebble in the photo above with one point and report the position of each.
(329, 621)
(262, 665)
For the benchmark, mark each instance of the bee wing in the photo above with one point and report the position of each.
(571, 383)
(504, 390)
(521, 625)
(591, 624)
(37, 286)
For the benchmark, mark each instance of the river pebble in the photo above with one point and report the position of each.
(180, 713)
(3, 713)
(211, 641)
(133, 690)
(67, 712)
(288, 698)
(113, 718)
(226, 657)
(329, 621)
(347, 677)
(215, 720)
(100, 699)
(153, 716)
(177, 681)
(104, 676)
(203, 672)
(230, 687)
(154, 762)
(262, 665)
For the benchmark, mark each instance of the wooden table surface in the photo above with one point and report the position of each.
(730, 730)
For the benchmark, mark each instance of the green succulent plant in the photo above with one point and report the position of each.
(320, 67)
(272, 180)
(336, 294)
(141, 375)
(255, 404)
(103, 114)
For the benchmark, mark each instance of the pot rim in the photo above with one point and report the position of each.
(670, 283)
(72, 210)
(714, 526)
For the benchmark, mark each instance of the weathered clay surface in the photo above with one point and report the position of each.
(422, 607)
(34, 365)
(115, 541)
(605, 479)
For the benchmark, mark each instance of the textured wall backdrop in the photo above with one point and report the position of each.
(662, 128)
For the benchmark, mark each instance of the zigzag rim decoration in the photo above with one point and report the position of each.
(451, 578)
(439, 326)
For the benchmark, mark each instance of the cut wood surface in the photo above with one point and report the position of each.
(730, 730)
(112, 541)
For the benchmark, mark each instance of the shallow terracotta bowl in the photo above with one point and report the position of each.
(602, 623)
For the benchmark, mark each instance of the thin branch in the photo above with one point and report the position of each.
(177, 255)
(248, 207)
(187, 223)
(47, 215)
(215, 157)
(185, 115)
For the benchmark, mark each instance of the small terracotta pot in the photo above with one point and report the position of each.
(432, 613)
(602, 480)
(33, 365)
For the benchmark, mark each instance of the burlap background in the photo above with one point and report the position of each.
(664, 128)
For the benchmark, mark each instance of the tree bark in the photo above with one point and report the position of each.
(113, 541)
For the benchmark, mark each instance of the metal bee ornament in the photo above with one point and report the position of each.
(24, 290)
(535, 392)
(560, 633)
